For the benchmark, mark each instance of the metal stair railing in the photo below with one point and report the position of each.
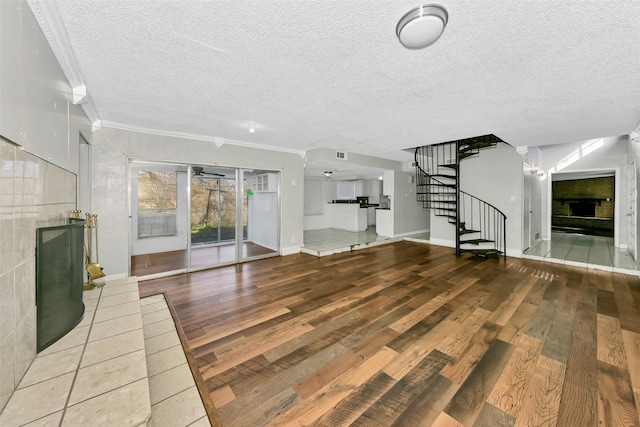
(489, 222)
(438, 189)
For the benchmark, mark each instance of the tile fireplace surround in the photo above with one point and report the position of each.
(32, 191)
(122, 365)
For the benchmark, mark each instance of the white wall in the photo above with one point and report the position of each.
(317, 193)
(634, 154)
(613, 155)
(495, 176)
(113, 147)
(35, 107)
(409, 217)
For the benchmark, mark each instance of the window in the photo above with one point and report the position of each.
(157, 194)
(346, 190)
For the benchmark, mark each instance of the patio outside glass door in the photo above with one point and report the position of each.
(192, 217)
(213, 216)
(159, 218)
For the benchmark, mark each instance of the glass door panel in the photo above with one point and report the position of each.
(159, 207)
(213, 216)
(261, 216)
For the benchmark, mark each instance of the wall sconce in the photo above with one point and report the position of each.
(328, 173)
(535, 171)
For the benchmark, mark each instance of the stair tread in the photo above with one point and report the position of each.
(465, 231)
(476, 146)
(435, 192)
(476, 241)
(442, 175)
(492, 253)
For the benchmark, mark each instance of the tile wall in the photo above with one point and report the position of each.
(32, 191)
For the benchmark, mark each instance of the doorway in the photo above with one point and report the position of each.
(193, 217)
(584, 203)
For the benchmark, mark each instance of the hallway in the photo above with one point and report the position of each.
(583, 251)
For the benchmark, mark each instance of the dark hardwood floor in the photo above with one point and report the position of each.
(201, 256)
(407, 334)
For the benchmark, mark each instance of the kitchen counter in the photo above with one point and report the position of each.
(347, 216)
(384, 222)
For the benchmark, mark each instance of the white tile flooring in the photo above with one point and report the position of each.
(175, 400)
(584, 251)
(329, 241)
(572, 249)
(122, 365)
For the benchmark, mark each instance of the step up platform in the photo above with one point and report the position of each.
(118, 367)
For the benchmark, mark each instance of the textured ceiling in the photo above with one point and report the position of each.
(314, 74)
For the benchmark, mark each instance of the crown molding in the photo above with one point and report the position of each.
(48, 18)
(219, 142)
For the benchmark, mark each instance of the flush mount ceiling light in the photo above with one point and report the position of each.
(422, 26)
(252, 129)
(327, 173)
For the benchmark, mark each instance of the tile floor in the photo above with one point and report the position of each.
(175, 400)
(329, 241)
(584, 251)
(572, 249)
(122, 365)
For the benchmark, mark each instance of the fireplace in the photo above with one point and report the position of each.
(583, 208)
(59, 279)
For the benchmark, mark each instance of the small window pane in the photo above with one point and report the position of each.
(346, 190)
(157, 198)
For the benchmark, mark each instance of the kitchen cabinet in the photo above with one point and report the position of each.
(384, 222)
(347, 216)
(371, 216)
(264, 182)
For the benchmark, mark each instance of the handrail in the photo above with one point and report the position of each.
(482, 217)
(471, 195)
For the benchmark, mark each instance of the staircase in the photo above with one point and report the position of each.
(481, 227)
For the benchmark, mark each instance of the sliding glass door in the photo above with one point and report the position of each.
(159, 218)
(213, 216)
(192, 217)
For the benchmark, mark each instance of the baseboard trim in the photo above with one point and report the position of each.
(410, 233)
(290, 250)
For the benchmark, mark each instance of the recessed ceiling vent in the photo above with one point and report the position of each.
(342, 155)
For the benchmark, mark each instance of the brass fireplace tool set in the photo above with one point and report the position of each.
(94, 271)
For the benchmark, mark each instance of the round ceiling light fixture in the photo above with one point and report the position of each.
(422, 26)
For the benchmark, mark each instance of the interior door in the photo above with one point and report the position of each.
(261, 215)
(631, 209)
(526, 208)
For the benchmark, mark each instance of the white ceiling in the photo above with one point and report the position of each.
(312, 74)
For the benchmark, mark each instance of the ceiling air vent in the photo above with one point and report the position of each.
(342, 155)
